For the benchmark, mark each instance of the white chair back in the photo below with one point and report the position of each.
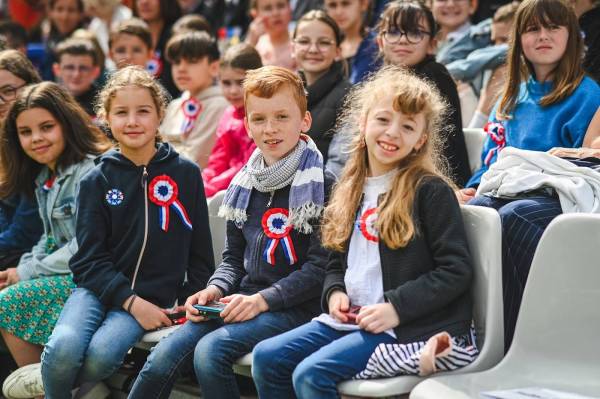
(474, 139)
(217, 226)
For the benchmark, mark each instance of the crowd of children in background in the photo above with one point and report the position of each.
(335, 128)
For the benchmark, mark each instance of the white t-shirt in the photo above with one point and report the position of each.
(363, 278)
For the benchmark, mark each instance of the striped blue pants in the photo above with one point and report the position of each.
(523, 222)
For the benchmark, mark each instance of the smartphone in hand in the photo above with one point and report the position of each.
(211, 310)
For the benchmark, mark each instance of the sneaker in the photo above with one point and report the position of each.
(24, 383)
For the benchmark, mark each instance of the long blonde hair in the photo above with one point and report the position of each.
(411, 96)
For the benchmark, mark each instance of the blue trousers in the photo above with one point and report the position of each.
(309, 361)
(523, 223)
(211, 348)
(88, 344)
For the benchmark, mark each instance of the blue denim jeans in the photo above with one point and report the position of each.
(309, 361)
(211, 348)
(523, 223)
(88, 344)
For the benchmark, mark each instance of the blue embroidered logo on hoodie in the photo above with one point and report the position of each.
(114, 197)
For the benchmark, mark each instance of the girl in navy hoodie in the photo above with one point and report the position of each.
(142, 225)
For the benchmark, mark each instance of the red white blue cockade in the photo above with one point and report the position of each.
(275, 224)
(163, 191)
(191, 108)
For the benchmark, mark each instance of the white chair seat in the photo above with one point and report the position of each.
(243, 365)
(555, 344)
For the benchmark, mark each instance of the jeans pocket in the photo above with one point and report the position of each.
(63, 222)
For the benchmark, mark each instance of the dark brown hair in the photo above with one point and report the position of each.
(241, 56)
(82, 137)
(191, 22)
(322, 16)
(192, 46)
(169, 11)
(405, 16)
(133, 26)
(77, 47)
(19, 65)
(569, 71)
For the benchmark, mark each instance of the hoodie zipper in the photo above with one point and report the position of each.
(139, 261)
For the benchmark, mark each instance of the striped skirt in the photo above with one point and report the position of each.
(389, 360)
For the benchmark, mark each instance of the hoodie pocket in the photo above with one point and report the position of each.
(63, 222)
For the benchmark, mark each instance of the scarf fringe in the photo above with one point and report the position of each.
(300, 217)
(236, 215)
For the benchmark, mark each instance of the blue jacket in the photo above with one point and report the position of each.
(245, 270)
(20, 224)
(123, 249)
(366, 59)
(477, 37)
(537, 128)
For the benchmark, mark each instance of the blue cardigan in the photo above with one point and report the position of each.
(537, 128)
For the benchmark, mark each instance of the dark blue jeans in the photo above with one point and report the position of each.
(211, 348)
(309, 361)
(523, 223)
(88, 344)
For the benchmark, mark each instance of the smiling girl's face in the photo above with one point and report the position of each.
(41, 136)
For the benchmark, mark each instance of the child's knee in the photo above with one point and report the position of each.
(63, 352)
(263, 357)
(306, 378)
(100, 363)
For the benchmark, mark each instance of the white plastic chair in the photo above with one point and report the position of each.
(485, 243)
(474, 141)
(217, 226)
(555, 344)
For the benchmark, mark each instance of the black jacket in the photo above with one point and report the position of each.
(427, 281)
(245, 270)
(590, 26)
(455, 149)
(111, 224)
(325, 100)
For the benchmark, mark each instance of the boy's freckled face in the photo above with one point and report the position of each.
(130, 50)
(275, 123)
(194, 75)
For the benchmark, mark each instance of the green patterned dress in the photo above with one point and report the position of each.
(31, 308)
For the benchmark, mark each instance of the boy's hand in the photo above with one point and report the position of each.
(377, 318)
(8, 277)
(149, 315)
(465, 195)
(209, 294)
(243, 307)
(338, 304)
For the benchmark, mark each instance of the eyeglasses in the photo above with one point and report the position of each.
(323, 45)
(413, 37)
(74, 68)
(9, 93)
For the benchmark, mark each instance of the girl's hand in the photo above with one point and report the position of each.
(464, 195)
(209, 294)
(243, 307)
(338, 304)
(377, 318)
(8, 277)
(149, 315)
(256, 29)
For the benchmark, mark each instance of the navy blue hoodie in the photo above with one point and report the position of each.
(119, 231)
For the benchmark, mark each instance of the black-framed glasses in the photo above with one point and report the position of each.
(323, 45)
(9, 93)
(413, 37)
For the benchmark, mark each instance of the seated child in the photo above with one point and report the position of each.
(142, 228)
(49, 145)
(406, 35)
(130, 43)
(399, 253)
(454, 20)
(77, 67)
(191, 120)
(15, 35)
(268, 32)
(272, 271)
(233, 146)
(104, 15)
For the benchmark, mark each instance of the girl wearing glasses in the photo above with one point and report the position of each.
(316, 48)
(406, 37)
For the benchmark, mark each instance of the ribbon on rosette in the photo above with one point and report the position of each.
(163, 191)
(275, 224)
(497, 133)
(191, 109)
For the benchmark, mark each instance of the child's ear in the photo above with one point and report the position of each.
(379, 40)
(96, 72)
(473, 6)
(306, 122)
(253, 13)
(422, 140)
(432, 46)
(56, 69)
(213, 69)
(246, 127)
